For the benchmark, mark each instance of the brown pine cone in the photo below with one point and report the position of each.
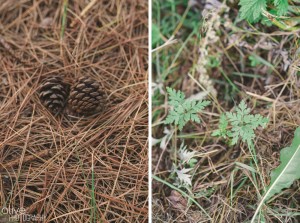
(86, 97)
(53, 94)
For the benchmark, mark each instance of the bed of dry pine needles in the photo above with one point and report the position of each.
(66, 168)
(225, 192)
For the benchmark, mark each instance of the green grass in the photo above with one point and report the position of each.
(168, 22)
(64, 19)
(93, 200)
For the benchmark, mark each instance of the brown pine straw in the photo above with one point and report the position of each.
(47, 162)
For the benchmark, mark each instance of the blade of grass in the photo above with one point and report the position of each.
(234, 87)
(246, 75)
(268, 64)
(182, 47)
(93, 201)
(64, 19)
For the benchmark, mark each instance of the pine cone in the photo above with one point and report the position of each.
(86, 97)
(53, 94)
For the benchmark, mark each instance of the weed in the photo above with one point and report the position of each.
(275, 12)
(183, 110)
(243, 124)
(252, 10)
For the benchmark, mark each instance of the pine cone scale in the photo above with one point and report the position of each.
(95, 85)
(86, 96)
(79, 95)
(87, 90)
(73, 103)
(95, 94)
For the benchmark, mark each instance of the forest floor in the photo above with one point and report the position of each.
(208, 52)
(70, 168)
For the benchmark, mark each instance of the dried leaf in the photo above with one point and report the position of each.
(184, 177)
(185, 155)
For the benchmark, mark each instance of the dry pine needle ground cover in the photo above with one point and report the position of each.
(234, 60)
(68, 168)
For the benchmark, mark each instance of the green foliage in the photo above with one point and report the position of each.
(222, 131)
(166, 20)
(288, 170)
(243, 124)
(282, 6)
(213, 61)
(166, 16)
(183, 110)
(254, 61)
(286, 173)
(252, 10)
(155, 35)
(206, 192)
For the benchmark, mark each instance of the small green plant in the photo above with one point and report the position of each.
(183, 110)
(222, 131)
(213, 61)
(252, 10)
(254, 61)
(243, 125)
